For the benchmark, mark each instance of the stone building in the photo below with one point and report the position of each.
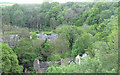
(45, 36)
(36, 65)
(77, 58)
(10, 39)
(41, 67)
(67, 61)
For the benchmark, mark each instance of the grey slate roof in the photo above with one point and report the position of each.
(44, 36)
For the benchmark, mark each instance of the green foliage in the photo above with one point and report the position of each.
(54, 14)
(64, 30)
(48, 33)
(105, 15)
(27, 52)
(9, 60)
(54, 57)
(37, 31)
(69, 33)
(107, 27)
(60, 46)
(81, 27)
(88, 65)
(34, 35)
(99, 45)
(83, 42)
(27, 58)
(18, 18)
(46, 49)
(113, 40)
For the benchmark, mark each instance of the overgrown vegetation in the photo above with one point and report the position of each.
(90, 28)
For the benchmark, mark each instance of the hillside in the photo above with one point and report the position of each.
(54, 31)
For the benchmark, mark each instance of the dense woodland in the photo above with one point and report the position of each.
(82, 27)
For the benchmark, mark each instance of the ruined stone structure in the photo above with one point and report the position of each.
(44, 66)
(1, 38)
(10, 39)
(67, 61)
(41, 67)
(84, 55)
(78, 59)
(44, 36)
(36, 65)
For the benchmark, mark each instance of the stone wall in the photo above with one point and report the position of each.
(41, 67)
(36, 65)
(67, 61)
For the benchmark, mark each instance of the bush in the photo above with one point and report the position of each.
(87, 65)
(83, 42)
(37, 31)
(34, 35)
(54, 57)
(48, 33)
(9, 60)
